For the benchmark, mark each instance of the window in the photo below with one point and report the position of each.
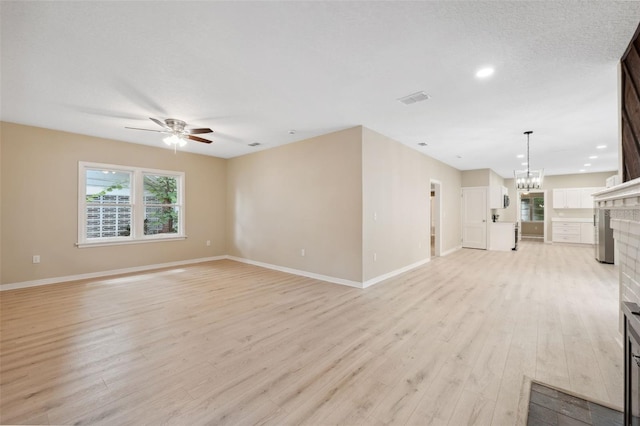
(121, 205)
(532, 209)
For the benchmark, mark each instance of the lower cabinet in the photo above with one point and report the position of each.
(573, 232)
(502, 236)
(587, 233)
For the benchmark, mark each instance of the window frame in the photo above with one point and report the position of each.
(531, 208)
(136, 235)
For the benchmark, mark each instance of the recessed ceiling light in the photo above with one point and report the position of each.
(524, 164)
(485, 72)
(593, 157)
(458, 156)
(520, 156)
(601, 146)
(292, 132)
(587, 164)
(582, 170)
(422, 143)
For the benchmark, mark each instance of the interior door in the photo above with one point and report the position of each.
(474, 218)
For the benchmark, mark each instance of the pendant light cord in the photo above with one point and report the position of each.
(528, 161)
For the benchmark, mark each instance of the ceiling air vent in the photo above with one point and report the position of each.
(414, 97)
(254, 144)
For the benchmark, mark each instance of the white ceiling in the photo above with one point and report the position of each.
(252, 71)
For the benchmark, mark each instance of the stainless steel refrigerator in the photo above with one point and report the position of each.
(604, 235)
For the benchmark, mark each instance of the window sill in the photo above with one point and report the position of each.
(127, 242)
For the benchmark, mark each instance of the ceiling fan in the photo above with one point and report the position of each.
(177, 132)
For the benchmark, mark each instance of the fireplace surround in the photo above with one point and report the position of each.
(624, 203)
(631, 313)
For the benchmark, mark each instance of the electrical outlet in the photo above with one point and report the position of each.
(208, 243)
(36, 258)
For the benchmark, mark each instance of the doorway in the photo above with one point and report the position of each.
(532, 214)
(435, 204)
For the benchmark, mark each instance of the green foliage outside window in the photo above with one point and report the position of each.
(160, 195)
(532, 209)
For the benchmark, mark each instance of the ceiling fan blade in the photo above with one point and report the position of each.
(197, 131)
(197, 139)
(148, 130)
(159, 123)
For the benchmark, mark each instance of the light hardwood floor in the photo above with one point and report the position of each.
(221, 342)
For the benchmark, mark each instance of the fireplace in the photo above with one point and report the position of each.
(623, 201)
(631, 364)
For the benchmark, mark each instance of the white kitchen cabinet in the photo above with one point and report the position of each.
(567, 198)
(587, 233)
(579, 231)
(566, 232)
(496, 196)
(574, 198)
(586, 199)
(502, 236)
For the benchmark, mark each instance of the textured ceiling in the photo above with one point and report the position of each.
(252, 71)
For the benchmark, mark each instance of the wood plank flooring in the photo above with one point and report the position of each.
(449, 343)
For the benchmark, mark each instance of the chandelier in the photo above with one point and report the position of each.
(528, 179)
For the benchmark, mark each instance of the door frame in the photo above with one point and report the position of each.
(485, 211)
(435, 186)
(546, 213)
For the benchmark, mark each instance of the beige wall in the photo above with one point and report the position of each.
(550, 183)
(529, 229)
(481, 177)
(39, 169)
(265, 207)
(396, 215)
(478, 177)
(495, 179)
(306, 195)
(1, 126)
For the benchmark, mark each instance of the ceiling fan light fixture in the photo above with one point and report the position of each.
(177, 131)
(174, 140)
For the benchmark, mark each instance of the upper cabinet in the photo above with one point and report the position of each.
(567, 198)
(586, 200)
(496, 197)
(574, 198)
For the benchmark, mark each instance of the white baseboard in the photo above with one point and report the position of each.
(327, 278)
(313, 275)
(391, 274)
(55, 280)
(451, 251)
